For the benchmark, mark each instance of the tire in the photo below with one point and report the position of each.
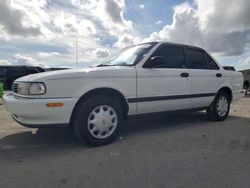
(246, 87)
(216, 111)
(97, 120)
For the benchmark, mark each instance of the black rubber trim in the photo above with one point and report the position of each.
(40, 125)
(161, 98)
(170, 112)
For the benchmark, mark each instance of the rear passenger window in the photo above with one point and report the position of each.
(211, 63)
(196, 59)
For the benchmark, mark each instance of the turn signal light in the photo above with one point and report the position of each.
(54, 104)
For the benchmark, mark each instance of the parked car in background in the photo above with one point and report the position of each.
(230, 68)
(10, 73)
(141, 79)
(246, 76)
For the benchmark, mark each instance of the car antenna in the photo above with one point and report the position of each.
(76, 65)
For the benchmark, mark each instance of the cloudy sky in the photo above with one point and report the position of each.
(43, 32)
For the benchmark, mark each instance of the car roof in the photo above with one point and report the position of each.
(180, 45)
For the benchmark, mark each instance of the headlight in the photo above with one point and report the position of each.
(37, 89)
(29, 88)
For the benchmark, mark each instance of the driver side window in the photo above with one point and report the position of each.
(169, 57)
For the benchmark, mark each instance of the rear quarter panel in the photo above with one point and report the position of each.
(234, 81)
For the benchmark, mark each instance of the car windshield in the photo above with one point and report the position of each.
(129, 56)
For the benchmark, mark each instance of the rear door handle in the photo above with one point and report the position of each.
(184, 74)
(218, 75)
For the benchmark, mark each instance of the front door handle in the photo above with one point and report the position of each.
(184, 74)
(218, 75)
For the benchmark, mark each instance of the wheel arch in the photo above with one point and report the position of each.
(102, 91)
(228, 91)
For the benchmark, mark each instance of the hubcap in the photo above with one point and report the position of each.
(222, 106)
(102, 121)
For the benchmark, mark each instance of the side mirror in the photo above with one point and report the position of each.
(154, 61)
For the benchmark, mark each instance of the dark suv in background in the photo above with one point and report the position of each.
(246, 76)
(10, 73)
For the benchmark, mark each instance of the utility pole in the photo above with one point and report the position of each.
(76, 50)
(77, 41)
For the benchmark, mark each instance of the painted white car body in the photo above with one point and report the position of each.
(139, 86)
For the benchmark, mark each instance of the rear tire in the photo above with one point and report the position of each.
(246, 87)
(220, 107)
(97, 120)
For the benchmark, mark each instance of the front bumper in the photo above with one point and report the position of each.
(35, 113)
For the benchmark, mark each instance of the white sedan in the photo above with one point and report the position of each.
(141, 79)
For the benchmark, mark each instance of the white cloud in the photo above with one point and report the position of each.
(86, 28)
(221, 27)
(47, 55)
(111, 14)
(25, 19)
(15, 21)
(127, 40)
(68, 24)
(42, 21)
(95, 55)
(4, 62)
(184, 28)
(159, 22)
(86, 5)
(64, 22)
(224, 16)
(196, 26)
(141, 6)
(110, 21)
(21, 59)
(244, 64)
(102, 53)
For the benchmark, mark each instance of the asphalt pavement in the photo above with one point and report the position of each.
(185, 150)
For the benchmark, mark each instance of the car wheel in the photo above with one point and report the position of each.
(246, 88)
(219, 109)
(97, 120)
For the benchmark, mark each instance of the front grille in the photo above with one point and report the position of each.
(15, 87)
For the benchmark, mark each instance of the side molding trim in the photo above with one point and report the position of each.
(171, 97)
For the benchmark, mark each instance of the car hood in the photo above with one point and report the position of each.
(92, 72)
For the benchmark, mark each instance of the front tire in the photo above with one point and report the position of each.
(220, 107)
(97, 120)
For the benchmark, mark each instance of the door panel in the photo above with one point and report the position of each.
(204, 82)
(163, 83)
(162, 90)
(205, 79)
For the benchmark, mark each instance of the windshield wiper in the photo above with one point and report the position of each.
(104, 65)
(120, 64)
